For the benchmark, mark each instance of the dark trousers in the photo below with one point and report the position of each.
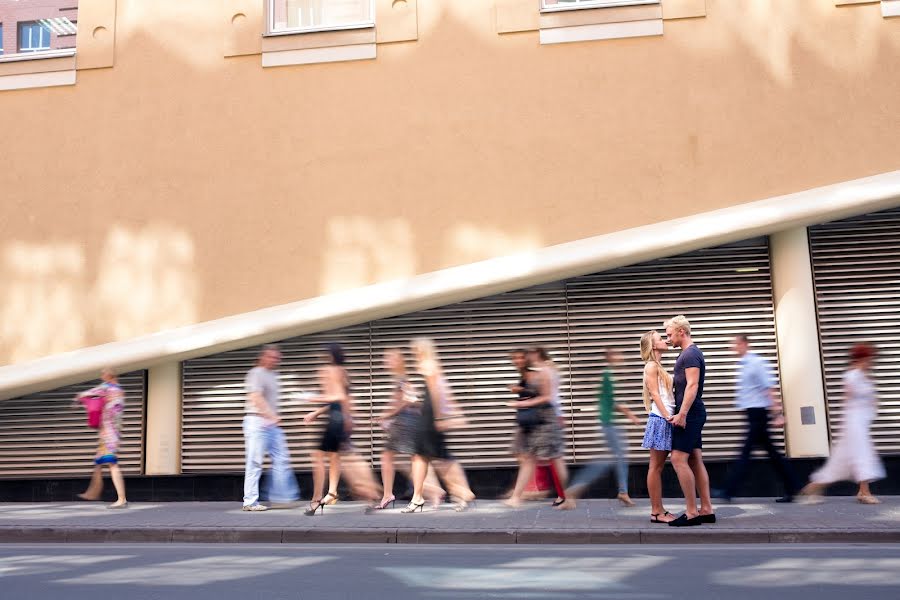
(758, 436)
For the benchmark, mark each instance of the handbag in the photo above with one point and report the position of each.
(94, 407)
(529, 418)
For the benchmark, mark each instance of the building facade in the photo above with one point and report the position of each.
(200, 161)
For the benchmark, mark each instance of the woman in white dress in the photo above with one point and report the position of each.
(853, 457)
(660, 404)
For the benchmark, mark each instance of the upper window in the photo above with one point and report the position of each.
(35, 28)
(319, 15)
(573, 4)
(33, 37)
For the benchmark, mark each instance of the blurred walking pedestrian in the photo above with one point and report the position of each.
(112, 399)
(543, 439)
(401, 420)
(525, 421)
(263, 435)
(335, 445)
(687, 425)
(439, 415)
(756, 397)
(615, 438)
(660, 405)
(853, 457)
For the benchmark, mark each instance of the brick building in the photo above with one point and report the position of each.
(37, 25)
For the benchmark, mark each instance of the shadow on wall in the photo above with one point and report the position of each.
(145, 282)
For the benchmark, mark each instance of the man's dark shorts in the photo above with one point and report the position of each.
(689, 437)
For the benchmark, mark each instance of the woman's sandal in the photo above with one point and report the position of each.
(868, 499)
(655, 518)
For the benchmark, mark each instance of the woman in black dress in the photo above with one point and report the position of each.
(438, 415)
(401, 421)
(338, 405)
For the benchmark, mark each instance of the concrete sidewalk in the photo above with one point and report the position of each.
(757, 520)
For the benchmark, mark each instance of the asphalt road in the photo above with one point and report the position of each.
(455, 572)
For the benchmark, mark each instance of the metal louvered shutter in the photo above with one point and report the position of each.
(856, 268)
(724, 291)
(213, 404)
(43, 435)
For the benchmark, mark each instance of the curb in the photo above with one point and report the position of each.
(202, 535)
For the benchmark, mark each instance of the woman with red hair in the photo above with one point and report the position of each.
(853, 457)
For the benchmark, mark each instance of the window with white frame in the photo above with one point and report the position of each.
(34, 36)
(286, 16)
(575, 4)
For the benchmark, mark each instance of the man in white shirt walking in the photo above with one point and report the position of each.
(756, 397)
(263, 435)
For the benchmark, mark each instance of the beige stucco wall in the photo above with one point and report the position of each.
(181, 186)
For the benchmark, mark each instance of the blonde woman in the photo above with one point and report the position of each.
(401, 420)
(110, 437)
(658, 436)
(430, 444)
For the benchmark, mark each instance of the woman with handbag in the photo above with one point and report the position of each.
(401, 420)
(526, 420)
(110, 436)
(338, 405)
(541, 436)
(439, 414)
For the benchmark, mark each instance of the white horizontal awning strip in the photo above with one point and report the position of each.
(462, 283)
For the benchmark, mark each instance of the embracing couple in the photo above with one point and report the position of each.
(675, 425)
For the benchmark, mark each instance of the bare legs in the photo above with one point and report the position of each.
(693, 477)
(359, 477)
(654, 484)
(318, 473)
(701, 477)
(119, 484)
(387, 476)
(526, 472)
(450, 471)
(334, 473)
(687, 481)
(95, 488)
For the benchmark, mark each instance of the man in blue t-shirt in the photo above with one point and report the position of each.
(687, 425)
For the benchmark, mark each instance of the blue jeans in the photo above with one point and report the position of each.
(593, 471)
(259, 440)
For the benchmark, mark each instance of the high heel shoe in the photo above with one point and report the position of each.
(381, 505)
(329, 499)
(413, 507)
(312, 510)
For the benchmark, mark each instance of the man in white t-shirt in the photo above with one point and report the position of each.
(263, 435)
